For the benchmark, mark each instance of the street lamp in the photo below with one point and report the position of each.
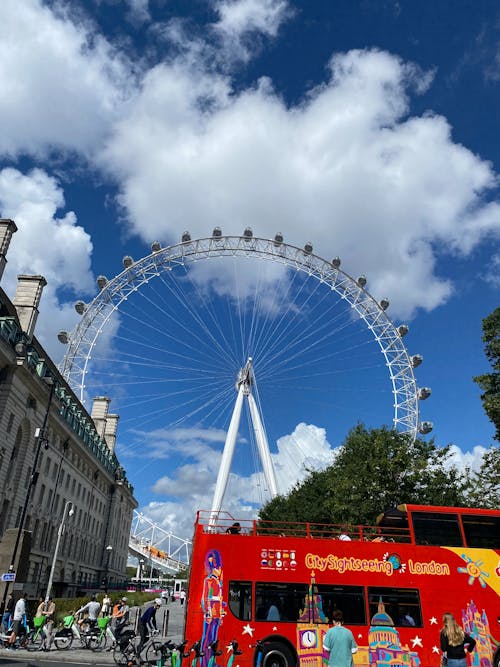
(141, 565)
(109, 549)
(40, 439)
(68, 509)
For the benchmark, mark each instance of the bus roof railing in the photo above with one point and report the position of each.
(223, 522)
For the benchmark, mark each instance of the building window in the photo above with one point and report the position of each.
(10, 423)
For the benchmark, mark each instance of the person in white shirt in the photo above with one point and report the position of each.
(17, 619)
(92, 608)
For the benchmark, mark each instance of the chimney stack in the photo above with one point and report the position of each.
(110, 431)
(26, 301)
(99, 414)
(7, 228)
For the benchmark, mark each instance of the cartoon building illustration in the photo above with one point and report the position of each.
(477, 625)
(309, 634)
(384, 644)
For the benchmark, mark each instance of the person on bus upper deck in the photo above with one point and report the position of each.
(273, 613)
(339, 643)
(344, 535)
(453, 642)
(235, 529)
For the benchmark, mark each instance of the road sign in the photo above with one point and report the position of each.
(9, 576)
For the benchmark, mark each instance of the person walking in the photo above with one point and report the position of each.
(454, 642)
(7, 614)
(339, 643)
(106, 605)
(182, 596)
(17, 619)
(147, 623)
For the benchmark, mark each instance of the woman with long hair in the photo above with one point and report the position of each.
(454, 642)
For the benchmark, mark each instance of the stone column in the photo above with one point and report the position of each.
(7, 228)
(110, 431)
(99, 414)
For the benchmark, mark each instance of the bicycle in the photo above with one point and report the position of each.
(234, 651)
(159, 652)
(198, 653)
(64, 637)
(36, 636)
(126, 651)
(97, 638)
(214, 653)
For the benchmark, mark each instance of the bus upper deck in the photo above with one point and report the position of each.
(408, 524)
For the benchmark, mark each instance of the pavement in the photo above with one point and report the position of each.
(169, 621)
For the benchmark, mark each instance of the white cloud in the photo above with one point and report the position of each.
(239, 20)
(347, 169)
(62, 84)
(46, 244)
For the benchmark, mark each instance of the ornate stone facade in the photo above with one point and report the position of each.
(77, 464)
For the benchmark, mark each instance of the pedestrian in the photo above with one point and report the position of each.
(147, 623)
(235, 529)
(454, 641)
(182, 596)
(106, 605)
(7, 614)
(17, 619)
(49, 612)
(339, 643)
(92, 608)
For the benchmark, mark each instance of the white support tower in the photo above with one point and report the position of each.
(244, 384)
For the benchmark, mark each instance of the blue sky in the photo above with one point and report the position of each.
(367, 128)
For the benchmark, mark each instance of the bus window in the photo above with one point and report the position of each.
(437, 529)
(482, 531)
(349, 599)
(276, 601)
(240, 599)
(401, 604)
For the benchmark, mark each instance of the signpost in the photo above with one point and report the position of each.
(9, 576)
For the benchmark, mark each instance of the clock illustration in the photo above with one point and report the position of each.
(309, 639)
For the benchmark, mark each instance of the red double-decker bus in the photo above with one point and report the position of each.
(273, 586)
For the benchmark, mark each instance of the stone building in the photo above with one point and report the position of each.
(76, 462)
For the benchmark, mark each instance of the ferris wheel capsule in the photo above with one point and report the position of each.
(336, 262)
(308, 248)
(403, 330)
(361, 281)
(416, 360)
(156, 246)
(425, 427)
(186, 237)
(423, 393)
(102, 281)
(217, 233)
(62, 337)
(80, 307)
(384, 304)
(248, 233)
(278, 239)
(127, 262)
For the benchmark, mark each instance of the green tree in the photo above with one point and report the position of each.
(490, 382)
(485, 484)
(374, 470)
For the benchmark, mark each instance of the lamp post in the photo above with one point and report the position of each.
(68, 509)
(109, 549)
(40, 439)
(141, 565)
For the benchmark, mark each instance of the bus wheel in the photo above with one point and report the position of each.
(277, 654)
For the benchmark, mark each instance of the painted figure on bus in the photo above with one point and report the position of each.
(212, 602)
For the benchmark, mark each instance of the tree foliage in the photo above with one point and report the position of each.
(485, 484)
(374, 470)
(490, 382)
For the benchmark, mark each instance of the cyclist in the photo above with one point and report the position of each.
(92, 608)
(120, 617)
(147, 623)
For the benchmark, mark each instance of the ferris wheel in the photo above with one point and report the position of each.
(171, 343)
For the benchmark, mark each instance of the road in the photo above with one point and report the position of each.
(174, 624)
